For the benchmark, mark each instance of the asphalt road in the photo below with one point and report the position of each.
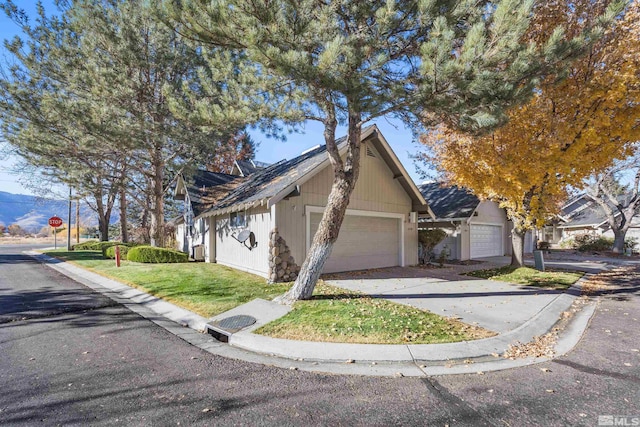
(69, 356)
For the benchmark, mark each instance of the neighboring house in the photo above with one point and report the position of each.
(475, 228)
(265, 221)
(583, 215)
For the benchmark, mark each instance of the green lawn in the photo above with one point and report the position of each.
(336, 315)
(206, 289)
(333, 314)
(554, 279)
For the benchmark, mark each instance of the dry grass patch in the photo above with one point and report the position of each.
(336, 315)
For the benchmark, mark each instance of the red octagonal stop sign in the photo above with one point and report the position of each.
(55, 222)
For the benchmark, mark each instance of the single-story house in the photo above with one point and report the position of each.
(264, 222)
(582, 215)
(475, 228)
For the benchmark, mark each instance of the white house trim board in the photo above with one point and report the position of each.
(308, 210)
(403, 171)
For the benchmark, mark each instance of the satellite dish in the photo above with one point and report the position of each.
(245, 235)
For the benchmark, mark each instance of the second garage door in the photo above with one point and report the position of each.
(486, 240)
(364, 242)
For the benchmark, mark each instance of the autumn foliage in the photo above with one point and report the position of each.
(576, 125)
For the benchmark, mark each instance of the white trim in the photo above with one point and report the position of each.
(309, 209)
(403, 171)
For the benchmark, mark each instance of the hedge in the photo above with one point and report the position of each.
(150, 254)
(84, 246)
(110, 252)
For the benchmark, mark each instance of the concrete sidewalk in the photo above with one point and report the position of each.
(359, 359)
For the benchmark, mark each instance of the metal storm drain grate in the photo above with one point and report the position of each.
(235, 323)
(222, 329)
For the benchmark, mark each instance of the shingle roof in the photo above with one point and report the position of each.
(206, 188)
(449, 202)
(589, 214)
(269, 181)
(277, 178)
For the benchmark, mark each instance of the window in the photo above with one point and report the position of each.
(238, 219)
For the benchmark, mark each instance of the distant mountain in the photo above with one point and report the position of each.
(32, 213)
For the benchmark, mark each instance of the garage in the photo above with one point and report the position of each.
(486, 240)
(364, 242)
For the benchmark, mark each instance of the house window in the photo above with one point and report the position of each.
(238, 219)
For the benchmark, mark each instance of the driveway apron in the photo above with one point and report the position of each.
(493, 305)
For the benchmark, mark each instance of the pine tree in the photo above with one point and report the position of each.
(458, 62)
(58, 132)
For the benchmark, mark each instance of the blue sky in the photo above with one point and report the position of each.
(269, 150)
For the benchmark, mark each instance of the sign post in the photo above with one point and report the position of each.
(55, 222)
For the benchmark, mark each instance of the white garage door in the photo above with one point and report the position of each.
(364, 242)
(486, 240)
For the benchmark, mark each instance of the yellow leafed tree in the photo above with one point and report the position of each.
(568, 131)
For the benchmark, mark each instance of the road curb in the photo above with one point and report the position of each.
(340, 358)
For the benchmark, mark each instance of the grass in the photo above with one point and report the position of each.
(206, 289)
(550, 279)
(332, 315)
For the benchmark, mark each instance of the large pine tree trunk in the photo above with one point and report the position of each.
(344, 181)
(124, 232)
(517, 247)
(103, 227)
(618, 240)
(157, 209)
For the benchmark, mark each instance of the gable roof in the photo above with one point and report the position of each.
(275, 182)
(585, 212)
(449, 202)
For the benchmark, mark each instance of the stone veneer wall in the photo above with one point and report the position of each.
(282, 266)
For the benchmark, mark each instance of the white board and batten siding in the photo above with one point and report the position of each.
(377, 196)
(234, 254)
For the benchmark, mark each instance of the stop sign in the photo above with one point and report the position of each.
(55, 222)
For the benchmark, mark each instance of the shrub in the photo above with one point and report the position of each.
(84, 246)
(428, 240)
(591, 243)
(152, 254)
(544, 246)
(110, 252)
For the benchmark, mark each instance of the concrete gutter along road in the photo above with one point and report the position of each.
(73, 356)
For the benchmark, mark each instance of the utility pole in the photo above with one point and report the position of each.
(78, 220)
(69, 223)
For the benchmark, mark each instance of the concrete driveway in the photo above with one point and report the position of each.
(493, 305)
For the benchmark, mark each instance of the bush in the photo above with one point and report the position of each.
(428, 240)
(544, 246)
(591, 243)
(152, 254)
(110, 252)
(84, 246)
